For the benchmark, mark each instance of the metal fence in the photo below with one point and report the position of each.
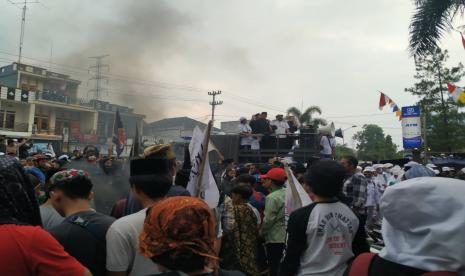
(17, 127)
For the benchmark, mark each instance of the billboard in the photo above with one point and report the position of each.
(411, 127)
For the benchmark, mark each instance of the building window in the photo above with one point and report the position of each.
(41, 123)
(7, 119)
(59, 125)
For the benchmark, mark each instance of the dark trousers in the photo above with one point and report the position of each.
(274, 252)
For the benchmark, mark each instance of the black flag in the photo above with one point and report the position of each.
(135, 149)
(24, 95)
(11, 94)
(119, 136)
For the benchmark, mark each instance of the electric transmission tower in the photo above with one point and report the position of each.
(98, 77)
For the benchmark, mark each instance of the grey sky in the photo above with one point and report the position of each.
(331, 53)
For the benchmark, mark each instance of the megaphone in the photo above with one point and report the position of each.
(327, 130)
(339, 133)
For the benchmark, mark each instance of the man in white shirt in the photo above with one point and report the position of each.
(379, 177)
(246, 134)
(281, 131)
(151, 179)
(328, 146)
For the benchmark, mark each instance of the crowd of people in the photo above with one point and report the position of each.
(53, 221)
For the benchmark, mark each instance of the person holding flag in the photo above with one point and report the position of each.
(119, 135)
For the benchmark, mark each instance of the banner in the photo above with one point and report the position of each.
(411, 127)
(208, 190)
(296, 196)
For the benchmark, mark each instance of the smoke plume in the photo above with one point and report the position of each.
(143, 33)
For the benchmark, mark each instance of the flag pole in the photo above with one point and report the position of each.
(204, 157)
(291, 183)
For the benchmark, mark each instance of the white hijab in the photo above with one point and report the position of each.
(424, 224)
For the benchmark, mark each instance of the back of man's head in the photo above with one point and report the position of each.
(244, 191)
(325, 178)
(246, 179)
(154, 185)
(351, 160)
(74, 184)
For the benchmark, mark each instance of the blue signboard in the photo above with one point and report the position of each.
(411, 127)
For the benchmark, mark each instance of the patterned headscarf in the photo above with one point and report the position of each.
(17, 199)
(67, 175)
(177, 224)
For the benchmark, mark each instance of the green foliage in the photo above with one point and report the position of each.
(445, 123)
(373, 144)
(436, 132)
(342, 150)
(307, 116)
(432, 18)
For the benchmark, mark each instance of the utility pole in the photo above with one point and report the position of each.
(23, 24)
(98, 76)
(21, 37)
(214, 103)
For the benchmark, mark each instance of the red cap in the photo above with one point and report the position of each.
(276, 174)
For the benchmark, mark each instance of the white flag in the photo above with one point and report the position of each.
(208, 189)
(296, 197)
(199, 133)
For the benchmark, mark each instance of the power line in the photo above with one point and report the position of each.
(163, 84)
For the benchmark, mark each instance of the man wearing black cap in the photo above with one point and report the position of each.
(151, 179)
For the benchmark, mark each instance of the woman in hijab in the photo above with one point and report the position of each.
(423, 230)
(27, 249)
(179, 236)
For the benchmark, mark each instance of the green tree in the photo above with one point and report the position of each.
(342, 150)
(373, 144)
(429, 22)
(444, 121)
(307, 116)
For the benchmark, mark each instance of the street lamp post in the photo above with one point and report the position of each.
(343, 135)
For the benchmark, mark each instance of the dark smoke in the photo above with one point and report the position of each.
(141, 35)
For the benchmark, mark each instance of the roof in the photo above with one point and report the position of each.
(176, 123)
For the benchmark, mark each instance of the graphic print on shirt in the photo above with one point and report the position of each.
(333, 224)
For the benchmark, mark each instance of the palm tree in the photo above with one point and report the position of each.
(431, 19)
(307, 116)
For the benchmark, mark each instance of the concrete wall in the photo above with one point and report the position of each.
(171, 135)
(21, 111)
